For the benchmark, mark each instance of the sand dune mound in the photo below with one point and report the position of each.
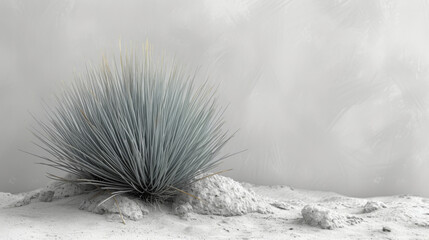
(219, 195)
(226, 210)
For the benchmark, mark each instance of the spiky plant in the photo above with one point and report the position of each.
(135, 127)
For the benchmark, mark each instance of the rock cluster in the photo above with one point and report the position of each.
(214, 195)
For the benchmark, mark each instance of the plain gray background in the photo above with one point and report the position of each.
(328, 95)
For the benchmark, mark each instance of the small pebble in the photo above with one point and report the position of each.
(387, 229)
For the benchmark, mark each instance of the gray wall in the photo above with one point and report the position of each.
(329, 95)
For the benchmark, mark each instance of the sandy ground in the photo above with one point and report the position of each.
(402, 217)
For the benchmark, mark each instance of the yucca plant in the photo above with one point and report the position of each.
(135, 126)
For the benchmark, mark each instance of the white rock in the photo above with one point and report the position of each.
(372, 206)
(25, 198)
(46, 196)
(66, 189)
(219, 195)
(130, 207)
(281, 205)
(325, 218)
(54, 190)
(22, 202)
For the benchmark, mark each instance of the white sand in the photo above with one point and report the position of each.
(407, 217)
